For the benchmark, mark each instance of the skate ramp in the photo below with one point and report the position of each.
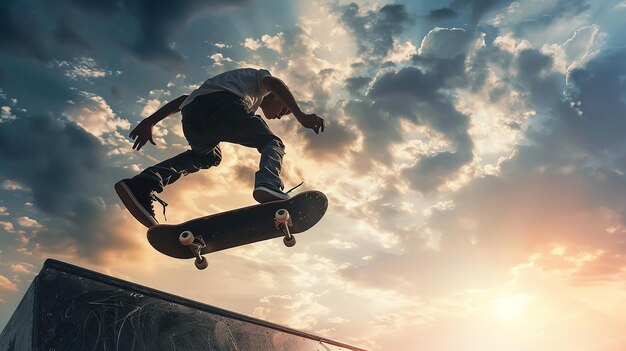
(72, 308)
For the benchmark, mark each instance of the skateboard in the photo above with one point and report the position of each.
(247, 225)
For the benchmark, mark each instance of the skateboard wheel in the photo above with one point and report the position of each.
(289, 242)
(186, 238)
(201, 264)
(282, 216)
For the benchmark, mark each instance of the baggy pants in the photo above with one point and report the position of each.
(209, 120)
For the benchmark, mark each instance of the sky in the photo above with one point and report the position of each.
(474, 159)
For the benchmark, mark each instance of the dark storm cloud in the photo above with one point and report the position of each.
(537, 78)
(561, 9)
(104, 8)
(442, 14)
(379, 128)
(412, 94)
(590, 122)
(375, 30)
(66, 169)
(158, 21)
(33, 31)
(420, 97)
(421, 85)
(478, 8)
(55, 159)
(336, 140)
(331, 145)
(601, 87)
(18, 32)
(355, 85)
(66, 36)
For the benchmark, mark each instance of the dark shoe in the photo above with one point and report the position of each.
(263, 194)
(138, 200)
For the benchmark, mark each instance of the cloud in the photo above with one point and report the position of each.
(6, 284)
(83, 68)
(66, 36)
(251, 44)
(596, 95)
(28, 223)
(55, 35)
(401, 52)
(446, 43)
(300, 311)
(70, 158)
(420, 97)
(94, 114)
(418, 93)
(219, 59)
(537, 17)
(68, 180)
(7, 226)
(375, 30)
(275, 42)
(159, 20)
(356, 85)
(442, 14)
(18, 35)
(537, 77)
(478, 8)
(584, 45)
(620, 6)
(12, 185)
(23, 268)
(6, 114)
(564, 187)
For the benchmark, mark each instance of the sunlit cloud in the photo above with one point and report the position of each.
(23, 268)
(82, 68)
(252, 44)
(28, 222)
(7, 226)
(95, 115)
(6, 284)
(12, 185)
(6, 114)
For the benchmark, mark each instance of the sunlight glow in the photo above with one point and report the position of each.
(510, 307)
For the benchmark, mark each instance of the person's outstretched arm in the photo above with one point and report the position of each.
(282, 92)
(143, 131)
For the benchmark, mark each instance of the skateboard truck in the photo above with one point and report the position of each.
(196, 244)
(282, 219)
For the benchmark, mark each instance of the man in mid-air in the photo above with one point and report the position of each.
(221, 109)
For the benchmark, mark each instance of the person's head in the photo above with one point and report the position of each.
(273, 108)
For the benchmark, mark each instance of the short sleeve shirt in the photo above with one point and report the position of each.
(244, 82)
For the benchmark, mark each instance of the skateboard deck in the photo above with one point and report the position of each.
(240, 227)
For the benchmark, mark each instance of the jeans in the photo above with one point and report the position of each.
(209, 120)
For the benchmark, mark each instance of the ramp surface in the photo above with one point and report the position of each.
(71, 308)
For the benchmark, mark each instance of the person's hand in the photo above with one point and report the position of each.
(142, 134)
(312, 121)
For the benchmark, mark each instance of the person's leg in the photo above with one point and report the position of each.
(251, 130)
(254, 132)
(137, 193)
(167, 172)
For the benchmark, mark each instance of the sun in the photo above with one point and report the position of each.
(510, 307)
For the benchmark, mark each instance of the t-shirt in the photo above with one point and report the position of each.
(244, 82)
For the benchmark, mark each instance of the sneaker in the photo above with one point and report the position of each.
(138, 200)
(263, 194)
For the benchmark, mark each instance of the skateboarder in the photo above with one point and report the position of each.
(221, 109)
